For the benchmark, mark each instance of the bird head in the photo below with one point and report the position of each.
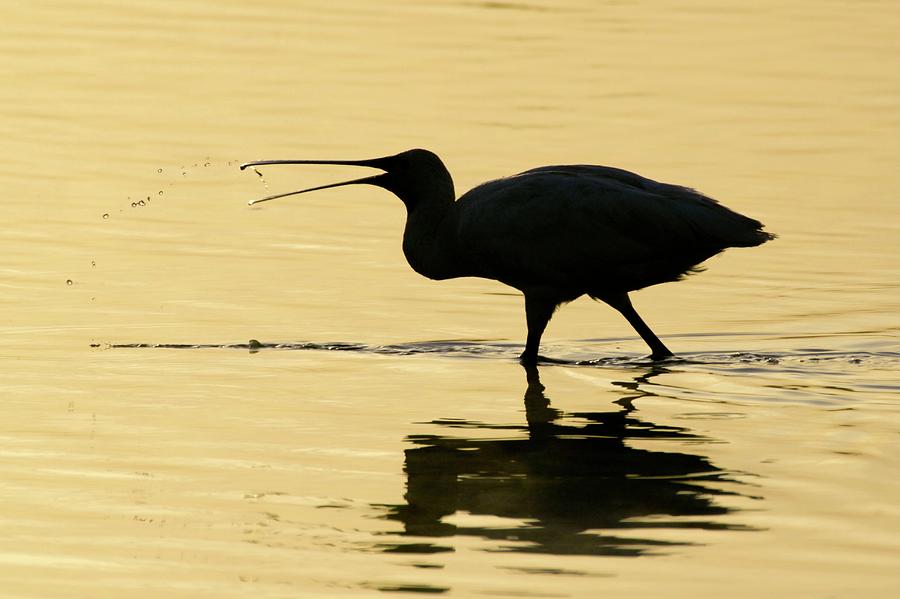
(413, 176)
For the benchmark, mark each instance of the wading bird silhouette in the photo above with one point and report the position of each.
(555, 233)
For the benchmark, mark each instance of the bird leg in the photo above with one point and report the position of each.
(537, 314)
(623, 304)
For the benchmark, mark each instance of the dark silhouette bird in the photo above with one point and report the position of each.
(554, 232)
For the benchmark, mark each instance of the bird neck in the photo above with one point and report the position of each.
(428, 239)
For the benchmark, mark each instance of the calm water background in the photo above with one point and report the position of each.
(423, 458)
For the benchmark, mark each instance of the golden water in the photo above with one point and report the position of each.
(422, 458)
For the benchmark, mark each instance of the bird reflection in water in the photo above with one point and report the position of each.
(570, 488)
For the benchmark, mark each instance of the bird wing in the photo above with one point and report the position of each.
(590, 228)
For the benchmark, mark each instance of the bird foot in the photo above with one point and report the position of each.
(534, 360)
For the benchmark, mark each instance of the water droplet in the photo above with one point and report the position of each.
(160, 193)
(159, 170)
(68, 281)
(184, 174)
(142, 203)
(106, 215)
(93, 263)
(205, 164)
(134, 204)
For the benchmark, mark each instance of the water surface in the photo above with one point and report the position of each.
(204, 399)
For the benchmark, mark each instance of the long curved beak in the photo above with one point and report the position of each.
(372, 180)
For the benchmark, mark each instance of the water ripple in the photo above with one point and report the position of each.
(493, 349)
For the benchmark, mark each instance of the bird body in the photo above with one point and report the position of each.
(593, 229)
(555, 232)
